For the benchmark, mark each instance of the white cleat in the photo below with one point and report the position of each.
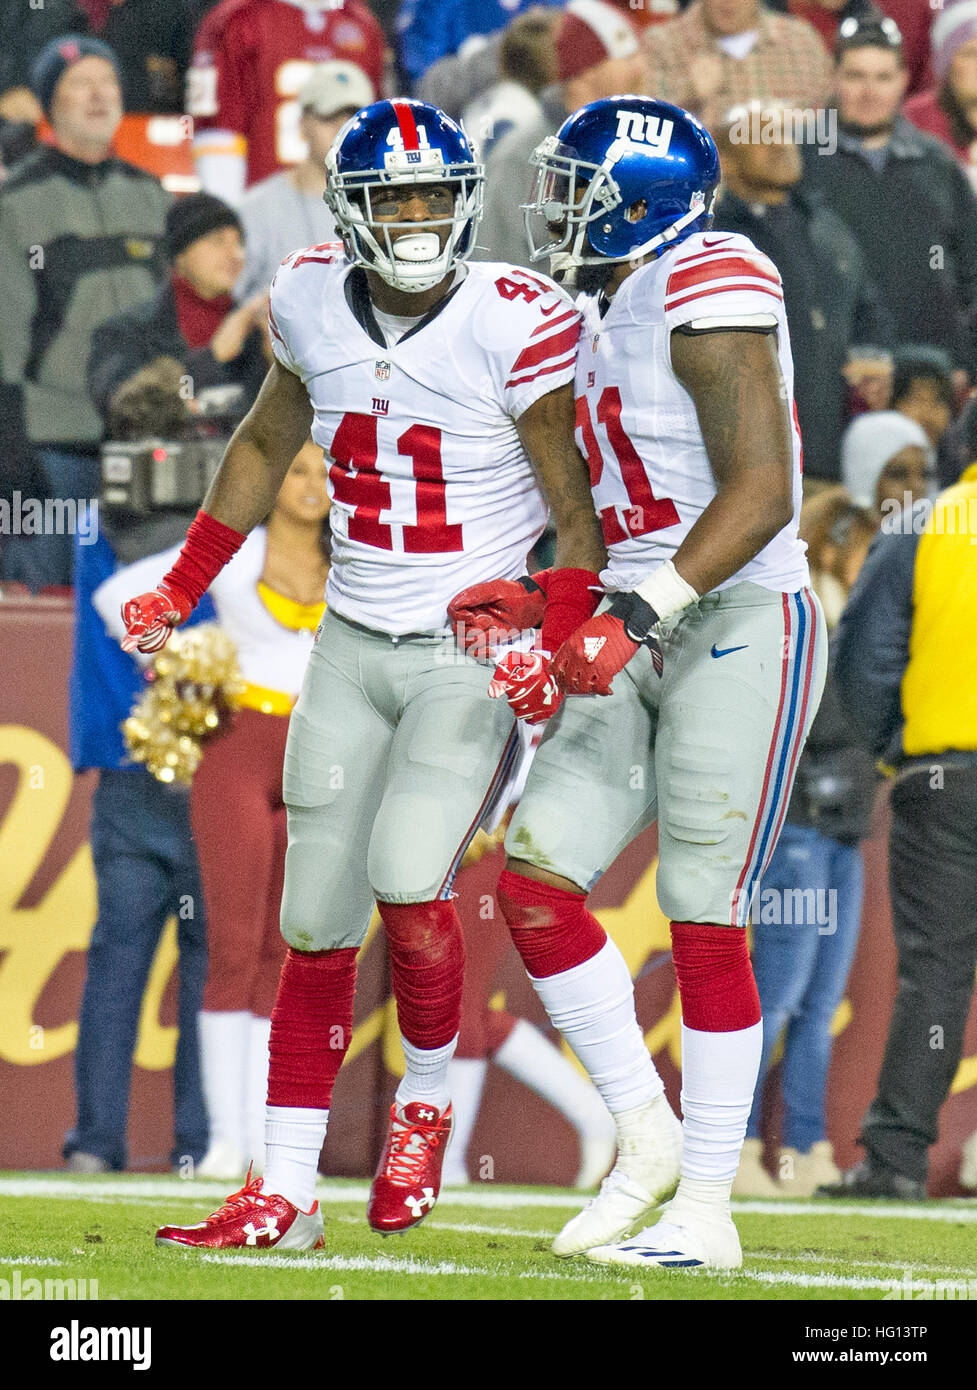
(680, 1240)
(645, 1175)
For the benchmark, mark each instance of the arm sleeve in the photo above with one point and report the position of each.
(873, 640)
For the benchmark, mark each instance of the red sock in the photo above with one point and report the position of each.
(715, 977)
(311, 1027)
(427, 962)
(551, 927)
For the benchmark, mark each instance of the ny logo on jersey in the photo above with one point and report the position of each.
(380, 406)
(645, 130)
(416, 1205)
(270, 1229)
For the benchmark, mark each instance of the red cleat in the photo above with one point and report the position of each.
(408, 1179)
(248, 1220)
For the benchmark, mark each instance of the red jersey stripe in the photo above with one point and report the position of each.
(555, 346)
(724, 268)
(551, 323)
(408, 128)
(543, 371)
(723, 289)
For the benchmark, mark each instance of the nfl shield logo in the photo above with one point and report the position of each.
(381, 370)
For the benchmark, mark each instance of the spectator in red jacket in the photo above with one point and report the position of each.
(250, 60)
(949, 110)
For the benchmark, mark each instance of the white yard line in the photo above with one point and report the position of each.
(388, 1264)
(82, 1189)
(29, 1260)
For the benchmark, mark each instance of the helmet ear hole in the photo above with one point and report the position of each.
(637, 211)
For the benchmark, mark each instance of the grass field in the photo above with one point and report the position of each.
(480, 1243)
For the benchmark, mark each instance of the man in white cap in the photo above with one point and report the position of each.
(286, 211)
(597, 55)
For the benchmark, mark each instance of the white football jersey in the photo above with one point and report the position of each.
(636, 423)
(431, 489)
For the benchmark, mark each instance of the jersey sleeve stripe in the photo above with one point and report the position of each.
(555, 346)
(740, 288)
(568, 361)
(552, 323)
(723, 268)
(274, 326)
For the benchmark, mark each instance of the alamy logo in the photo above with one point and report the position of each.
(645, 130)
(77, 1343)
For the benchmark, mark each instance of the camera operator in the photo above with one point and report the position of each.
(149, 365)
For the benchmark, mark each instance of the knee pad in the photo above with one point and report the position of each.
(715, 977)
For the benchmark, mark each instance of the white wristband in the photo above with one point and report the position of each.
(666, 590)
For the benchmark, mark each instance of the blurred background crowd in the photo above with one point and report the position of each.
(158, 158)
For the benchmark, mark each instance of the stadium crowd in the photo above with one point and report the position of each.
(156, 163)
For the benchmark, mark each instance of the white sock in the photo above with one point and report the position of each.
(257, 1088)
(223, 1070)
(719, 1074)
(426, 1077)
(593, 1007)
(466, 1081)
(293, 1141)
(529, 1056)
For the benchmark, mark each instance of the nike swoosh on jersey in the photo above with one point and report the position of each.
(726, 650)
(716, 241)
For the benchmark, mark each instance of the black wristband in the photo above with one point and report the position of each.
(638, 616)
(530, 585)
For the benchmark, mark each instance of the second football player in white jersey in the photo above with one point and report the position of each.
(441, 394)
(703, 666)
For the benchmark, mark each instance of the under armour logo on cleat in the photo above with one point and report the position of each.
(416, 1205)
(592, 647)
(426, 1114)
(270, 1229)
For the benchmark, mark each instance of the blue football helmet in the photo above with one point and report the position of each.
(622, 177)
(398, 143)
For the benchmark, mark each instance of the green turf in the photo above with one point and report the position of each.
(480, 1243)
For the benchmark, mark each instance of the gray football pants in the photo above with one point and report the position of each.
(395, 756)
(709, 751)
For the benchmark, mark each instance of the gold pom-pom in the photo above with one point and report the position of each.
(195, 680)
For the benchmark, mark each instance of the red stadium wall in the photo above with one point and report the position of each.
(47, 907)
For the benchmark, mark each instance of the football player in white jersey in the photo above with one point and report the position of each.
(441, 393)
(703, 667)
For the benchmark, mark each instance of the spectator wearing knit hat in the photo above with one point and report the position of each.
(597, 55)
(190, 334)
(80, 235)
(949, 110)
(886, 461)
(719, 53)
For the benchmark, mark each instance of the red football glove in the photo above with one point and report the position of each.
(592, 656)
(489, 613)
(525, 680)
(150, 618)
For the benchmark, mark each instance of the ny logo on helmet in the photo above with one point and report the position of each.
(645, 130)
